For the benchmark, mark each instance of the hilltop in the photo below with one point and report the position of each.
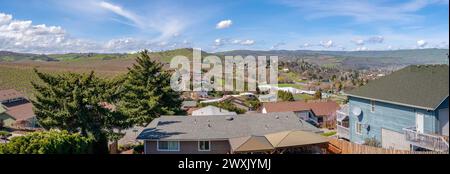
(356, 59)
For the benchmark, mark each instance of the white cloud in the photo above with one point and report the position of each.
(370, 40)
(247, 42)
(375, 40)
(23, 36)
(168, 24)
(327, 44)
(224, 24)
(222, 42)
(5, 18)
(277, 45)
(362, 48)
(121, 12)
(422, 43)
(359, 41)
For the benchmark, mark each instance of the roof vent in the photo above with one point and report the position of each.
(209, 125)
(229, 118)
(277, 117)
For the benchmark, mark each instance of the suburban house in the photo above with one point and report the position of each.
(319, 113)
(235, 100)
(247, 133)
(406, 110)
(211, 110)
(18, 110)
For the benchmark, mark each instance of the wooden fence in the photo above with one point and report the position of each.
(344, 147)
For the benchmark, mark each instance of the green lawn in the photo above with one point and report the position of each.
(290, 85)
(298, 97)
(328, 134)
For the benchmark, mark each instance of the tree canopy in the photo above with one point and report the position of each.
(147, 93)
(48, 142)
(285, 96)
(79, 103)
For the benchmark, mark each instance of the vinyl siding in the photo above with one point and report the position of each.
(190, 147)
(388, 116)
(7, 120)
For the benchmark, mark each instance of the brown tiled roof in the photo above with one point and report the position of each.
(322, 108)
(10, 94)
(21, 112)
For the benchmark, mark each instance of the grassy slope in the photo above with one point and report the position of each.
(19, 75)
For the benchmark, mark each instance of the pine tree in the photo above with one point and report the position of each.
(75, 102)
(147, 93)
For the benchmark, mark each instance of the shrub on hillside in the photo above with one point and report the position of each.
(48, 142)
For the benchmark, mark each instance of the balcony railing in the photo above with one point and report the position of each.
(427, 141)
(343, 132)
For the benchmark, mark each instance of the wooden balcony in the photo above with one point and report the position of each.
(427, 141)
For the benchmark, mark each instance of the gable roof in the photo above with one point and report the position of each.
(320, 108)
(419, 86)
(222, 127)
(21, 112)
(10, 94)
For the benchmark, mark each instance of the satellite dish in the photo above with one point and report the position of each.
(356, 111)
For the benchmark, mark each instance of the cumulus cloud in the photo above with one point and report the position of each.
(219, 42)
(247, 42)
(327, 44)
(5, 18)
(224, 24)
(24, 36)
(422, 43)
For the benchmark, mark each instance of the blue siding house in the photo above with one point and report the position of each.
(405, 110)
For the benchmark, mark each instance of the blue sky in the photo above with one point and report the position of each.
(58, 26)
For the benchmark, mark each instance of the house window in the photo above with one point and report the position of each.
(204, 146)
(372, 106)
(168, 146)
(358, 128)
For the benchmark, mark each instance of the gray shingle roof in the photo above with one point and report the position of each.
(220, 127)
(189, 104)
(212, 110)
(422, 86)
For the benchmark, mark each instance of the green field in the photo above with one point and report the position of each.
(300, 97)
(291, 85)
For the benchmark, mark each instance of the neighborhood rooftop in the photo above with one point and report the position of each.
(422, 86)
(319, 108)
(10, 94)
(222, 127)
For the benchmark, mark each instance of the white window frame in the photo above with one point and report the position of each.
(198, 146)
(356, 128)
(372, 106)
(167, 150)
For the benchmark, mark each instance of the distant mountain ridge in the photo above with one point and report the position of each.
(347, 59)
(356, 59)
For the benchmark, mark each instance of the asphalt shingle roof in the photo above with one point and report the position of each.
(422, 86)
(221, 127)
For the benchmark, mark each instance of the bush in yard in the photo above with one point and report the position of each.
(372, 142)
(138, 149)
(285, 96)
(49, 142)
(4, 134)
